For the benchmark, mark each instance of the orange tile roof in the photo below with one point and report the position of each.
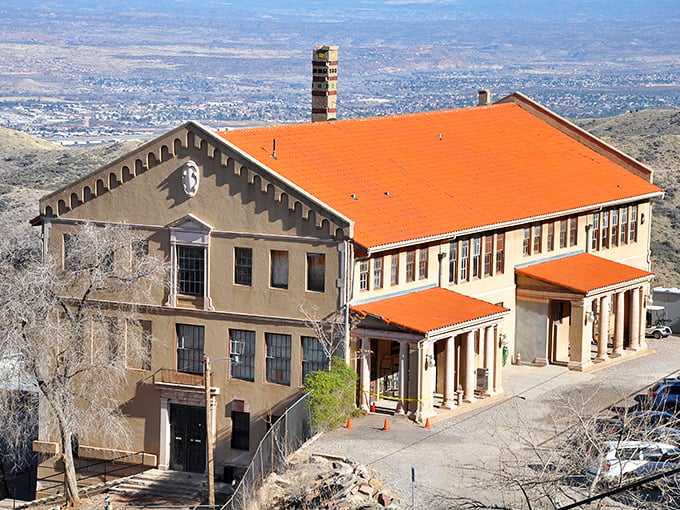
(428, 310)
(491, 164)
(583, 273)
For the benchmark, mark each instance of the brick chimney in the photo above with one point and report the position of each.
(324, 83)
(484, 97)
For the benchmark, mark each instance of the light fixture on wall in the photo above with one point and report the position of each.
(431, 361)
(504, 339)
(590, 317)
(642, 218)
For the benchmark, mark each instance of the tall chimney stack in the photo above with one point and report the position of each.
(484, 97)
(324, 83)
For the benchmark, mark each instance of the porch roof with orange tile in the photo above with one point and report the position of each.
(428, 310)
(583, 273)
(411, 177)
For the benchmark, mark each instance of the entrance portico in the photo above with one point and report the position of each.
(429, 344)
(580, 310)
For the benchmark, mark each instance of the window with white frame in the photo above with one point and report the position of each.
(378, 273)
(551, 236)
(422, 263)
(394, 269)
(476, 255)
(537, 238)
(278, 358)
(632, 237)
(595, 234)
(604, 243)
(189, 245)
(453, 260)
(464, 259)
(191, 270)
(363, 274)
(573, 231)
(615, 227)
(488, 255)
(242, 354)
(526, 242)
(500, 252)
(410, 265)
(313, 356)
(563, 233)
(279, 269)
(624, 225)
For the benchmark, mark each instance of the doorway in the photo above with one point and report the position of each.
(187, 438)
(558, 339)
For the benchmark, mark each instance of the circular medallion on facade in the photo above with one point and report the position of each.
(190, 178)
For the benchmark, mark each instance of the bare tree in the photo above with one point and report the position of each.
(330, 329)
(68, 330)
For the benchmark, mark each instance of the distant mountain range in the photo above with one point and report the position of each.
(31, 167)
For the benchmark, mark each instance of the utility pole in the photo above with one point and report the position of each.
(208, 433)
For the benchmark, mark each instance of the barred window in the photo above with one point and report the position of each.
(394, 269)
(279, 269)
(422, 263)
(363, 274)
(242, 354)
(410, 265)
(190, 349)
(378, 273)
(278, 358)
(243, 266)
(316, 272)
(453, 260)
(313, 356)
(190, 270)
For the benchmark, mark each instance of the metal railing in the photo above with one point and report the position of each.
(285, 436)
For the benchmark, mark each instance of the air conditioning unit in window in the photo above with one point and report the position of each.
(236, 359)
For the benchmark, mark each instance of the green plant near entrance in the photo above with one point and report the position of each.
(331, 395)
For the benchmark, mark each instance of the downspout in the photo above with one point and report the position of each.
(347, 254)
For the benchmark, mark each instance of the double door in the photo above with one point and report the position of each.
(188, 438)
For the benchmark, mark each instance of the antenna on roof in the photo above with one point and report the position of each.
(273, 148)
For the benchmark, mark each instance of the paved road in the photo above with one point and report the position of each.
(457, 460)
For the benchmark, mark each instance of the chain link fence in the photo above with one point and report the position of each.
(285, 436)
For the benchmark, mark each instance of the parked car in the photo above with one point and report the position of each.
(638, 423)
(621, 460)
(664, 394)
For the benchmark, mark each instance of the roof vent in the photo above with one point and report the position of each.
(354, 196)
(484, 97)
(440, 136)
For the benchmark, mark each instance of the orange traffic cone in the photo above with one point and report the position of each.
(349, 423)
(386, 426)
(427, 423)
(373, 407)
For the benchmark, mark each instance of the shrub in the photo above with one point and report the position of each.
(331, 395)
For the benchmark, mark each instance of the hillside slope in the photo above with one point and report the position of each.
(31, 167)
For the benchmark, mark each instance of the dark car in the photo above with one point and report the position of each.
(640, 423)
(664, 394)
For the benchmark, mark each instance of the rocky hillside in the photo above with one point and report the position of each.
(31, 167)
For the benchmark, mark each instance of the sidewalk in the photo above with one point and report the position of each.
(452, 459)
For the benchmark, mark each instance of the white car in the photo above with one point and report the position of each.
(620, 460)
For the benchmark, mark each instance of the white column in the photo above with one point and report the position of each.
(619, 324)
(634, 329)
(164, 450)
(365, 373)
(604, 329)
(469, 386)
(403, 376)
(490, 357)
(450, 376)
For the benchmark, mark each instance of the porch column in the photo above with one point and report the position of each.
(619, 324)
(403, 376)
(604, 329)
(490, 358)
(164, 452)
(426, 394)
(634, 344)
(365, 373)
(469, 386)
(450, 376)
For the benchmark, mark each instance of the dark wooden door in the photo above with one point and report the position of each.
(187, 438)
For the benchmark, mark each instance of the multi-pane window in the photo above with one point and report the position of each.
(313, 356)
(526, 242)
(615, 227)
(605, 230)
(190, 348)
(633, 224)
(488, 255)
(378, 273)
(573, 231)
(551, 236)
(278, 358)
(476, 255)
(316, 272)
(464, 259)
(453, 260)
(240, 430)
(243, 266)
(563, 233)
(624, 225)
(242, 354)
(422, 263)
(363, 274)
(279, 269)
(191, 270)
(538, 238)
(138, 344)
(107, 345)
(394, 269)
(410, 265)
(500, 252)
(595, 234)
